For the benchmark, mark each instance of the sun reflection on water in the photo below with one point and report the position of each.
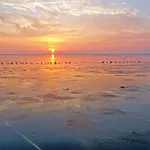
(53, 58)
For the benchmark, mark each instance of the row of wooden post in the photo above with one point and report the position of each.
(31, 63)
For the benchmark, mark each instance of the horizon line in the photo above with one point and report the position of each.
(77, 53)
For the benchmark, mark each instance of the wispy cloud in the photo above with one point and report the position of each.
(73, 7)
(71, 20)
(20, 15)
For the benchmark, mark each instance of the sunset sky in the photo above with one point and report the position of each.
(74, 26)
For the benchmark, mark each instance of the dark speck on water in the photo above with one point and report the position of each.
(122, 87)
(70, 122)
(67, 89)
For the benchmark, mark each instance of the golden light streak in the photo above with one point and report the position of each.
(53, 58)
(47, 39)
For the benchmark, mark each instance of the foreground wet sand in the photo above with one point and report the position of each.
(81, 103)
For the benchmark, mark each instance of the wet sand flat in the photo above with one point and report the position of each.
(75, 102)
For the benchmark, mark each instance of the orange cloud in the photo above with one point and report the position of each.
(75, 25)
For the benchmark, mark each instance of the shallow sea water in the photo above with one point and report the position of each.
(86, 102)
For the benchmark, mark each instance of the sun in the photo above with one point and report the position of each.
(52, 50)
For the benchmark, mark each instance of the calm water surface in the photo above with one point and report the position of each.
(86, 102)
